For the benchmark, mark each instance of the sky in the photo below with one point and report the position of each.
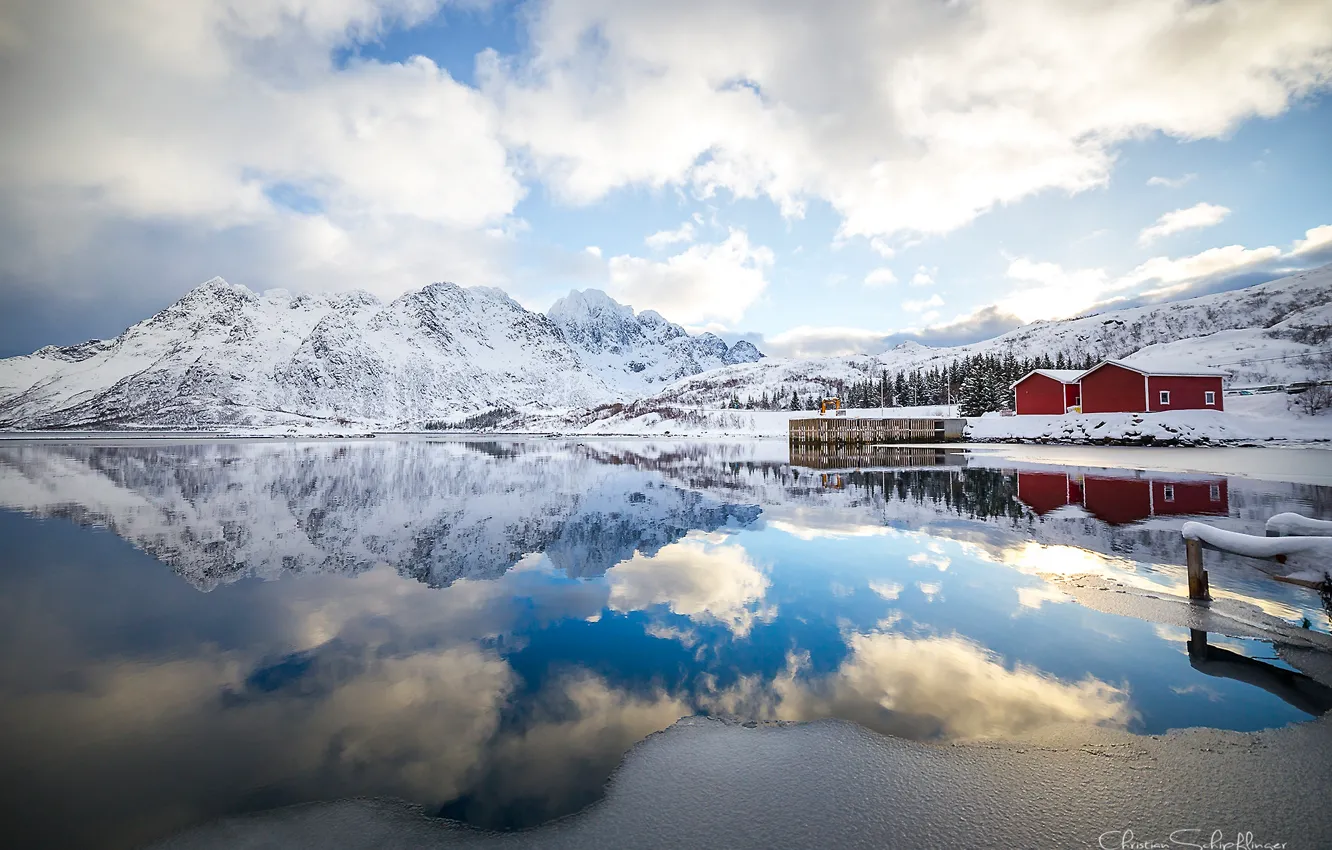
(818, 178)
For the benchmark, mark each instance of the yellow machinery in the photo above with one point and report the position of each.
(828, 404)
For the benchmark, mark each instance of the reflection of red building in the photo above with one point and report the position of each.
(1123, 500)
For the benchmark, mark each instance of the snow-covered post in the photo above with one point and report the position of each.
(1197, 575)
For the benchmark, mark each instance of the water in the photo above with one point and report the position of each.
(190, 630)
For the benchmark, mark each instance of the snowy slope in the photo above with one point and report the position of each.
(225, 356)
(1273, 332)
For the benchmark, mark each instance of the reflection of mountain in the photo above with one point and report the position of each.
(438, 511)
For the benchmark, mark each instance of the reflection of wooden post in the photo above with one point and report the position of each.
(1197, 644)
(1197, 575)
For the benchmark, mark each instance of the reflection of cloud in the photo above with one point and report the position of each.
(702, 580)
(931, 589)
(934, 687)
(1210, 694)
(935, 559)
(580, 726)
(887, 589)
(829, 530)
(1035, 597)
(687, 637)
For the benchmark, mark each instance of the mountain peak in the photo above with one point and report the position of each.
(581, 303)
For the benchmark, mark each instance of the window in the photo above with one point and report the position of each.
(1209, 397)
(1170, 492)
(1214, 492)
(1165, 396)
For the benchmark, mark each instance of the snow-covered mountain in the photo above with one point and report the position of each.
(225, 356)
(1272, 332)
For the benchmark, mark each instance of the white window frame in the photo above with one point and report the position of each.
(1168, 491)
(1214, 492)
(1209, 397)
(1164, 396)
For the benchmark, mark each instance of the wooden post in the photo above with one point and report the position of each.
(1197, 575)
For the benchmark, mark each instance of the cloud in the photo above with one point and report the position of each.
(705, 581)
(1048, 291)
(1316, 246)
(1213, 262)
(880, 246)
(808, 341)
(985, 323)
(1196, 216)
(153, 145)
(917, 120)
(924, 277)
(1172, 182)
(593, 250)
(921, 305)
(665, 238)
(706, 282)
(881, 276)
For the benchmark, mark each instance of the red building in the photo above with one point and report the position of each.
(1049, 391)
(1113, 386)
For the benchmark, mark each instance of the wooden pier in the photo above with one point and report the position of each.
(843, 430)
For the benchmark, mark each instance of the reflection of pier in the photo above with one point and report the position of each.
(1297, 689)
(841, 430)
(1119, 501)
(875, 457)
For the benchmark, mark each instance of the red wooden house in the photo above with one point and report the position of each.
(1114, 386)
(1049, 391)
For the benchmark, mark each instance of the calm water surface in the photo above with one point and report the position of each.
(198, 629)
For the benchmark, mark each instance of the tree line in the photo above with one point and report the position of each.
(977, 384)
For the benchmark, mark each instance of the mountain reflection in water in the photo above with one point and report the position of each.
(486, 627)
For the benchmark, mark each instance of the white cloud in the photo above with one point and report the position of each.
(809, 341)
(223, 129)
(705, 282)
(880, 246)
(924, 277)
(881, 276)
(1316, 239)
(1192, 218)
(923, 304)
(1172, 182)
(1209, 263)
(593, 250)
(915, 120)
(1048, 291)
(665, 238)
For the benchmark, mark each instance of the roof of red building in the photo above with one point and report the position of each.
(1063, 376)
(1152, 369)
